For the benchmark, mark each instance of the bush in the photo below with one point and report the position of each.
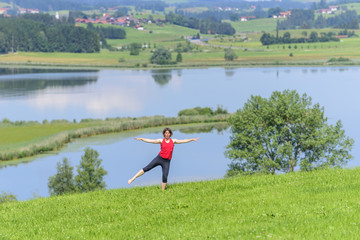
(230, 55)
(202, 111)
(188, 112)
(340, 59)
(7, 197)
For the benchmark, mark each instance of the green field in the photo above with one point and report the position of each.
(256, 25)
(245, 43)
(352, 6)
(322, 204)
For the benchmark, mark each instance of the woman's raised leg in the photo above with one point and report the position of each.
(138, 174)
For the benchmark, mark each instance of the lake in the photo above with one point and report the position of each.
(33, 94)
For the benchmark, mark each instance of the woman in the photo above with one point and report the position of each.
(164, 156)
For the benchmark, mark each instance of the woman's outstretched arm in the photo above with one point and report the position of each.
(149, 140)
(185, 140)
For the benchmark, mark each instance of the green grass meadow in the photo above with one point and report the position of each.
(321, 204)
(256, 25)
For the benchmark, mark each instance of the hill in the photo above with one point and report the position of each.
(302, 205)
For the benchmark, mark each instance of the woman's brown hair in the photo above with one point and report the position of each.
(167, 129)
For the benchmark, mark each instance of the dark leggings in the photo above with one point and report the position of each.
(164, 163)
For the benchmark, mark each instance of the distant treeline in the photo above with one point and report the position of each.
(46, 5)
(306, 19)
(79, 5)
(268, 39)
(209, 26)
(31, 34)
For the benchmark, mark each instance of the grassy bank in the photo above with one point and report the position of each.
(304, 205)
(24, 139)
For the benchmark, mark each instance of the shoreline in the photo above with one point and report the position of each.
(55, 141)
(183, 66)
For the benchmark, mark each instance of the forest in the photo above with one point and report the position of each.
(31, 34)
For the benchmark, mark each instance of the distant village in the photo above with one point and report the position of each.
(126, 21)
(4, 11)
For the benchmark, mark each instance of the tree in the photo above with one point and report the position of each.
(161, 56)
(267, 39)
(135, 48)
(230, 55)
(234, 17)
(274, 11)
(313, 37)
(282, 132)
(90, 173)
(62, 182)
(178, 57)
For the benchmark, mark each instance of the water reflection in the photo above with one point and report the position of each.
(22, 86)
(13, 71)
(229, 72)
(161, 76)
(179, 72)
(219, 127)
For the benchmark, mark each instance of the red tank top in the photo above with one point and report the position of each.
(166, 149)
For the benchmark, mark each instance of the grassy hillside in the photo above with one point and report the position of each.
(245, 43)
(304, 205)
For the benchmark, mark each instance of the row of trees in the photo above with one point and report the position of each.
(209, 26)
(19, 34)
(305, 19)
(268, 39)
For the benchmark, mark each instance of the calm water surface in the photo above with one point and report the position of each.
(123, 157)
(54, 94)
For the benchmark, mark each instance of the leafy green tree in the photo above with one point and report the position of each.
(275, 11)
(179, 57)
(234, 17)
(63, 181)
(230, 55)
(90, 173)
(161, 56)
(282, 132)
(313, 37)
(267, 39)
(135, 48)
